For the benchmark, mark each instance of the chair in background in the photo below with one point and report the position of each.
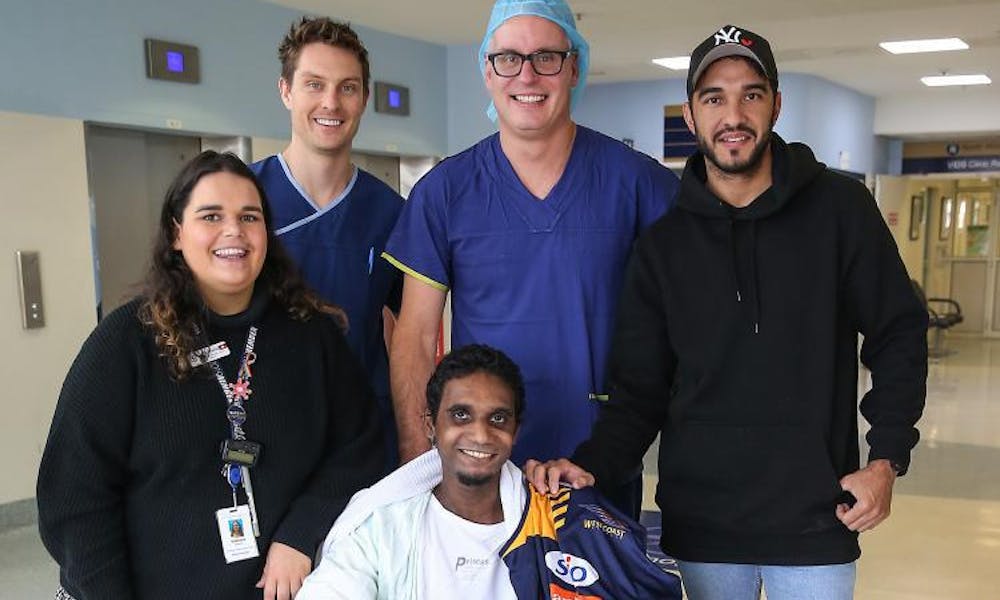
(942, 314)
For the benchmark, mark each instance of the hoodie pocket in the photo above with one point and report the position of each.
(748, 479)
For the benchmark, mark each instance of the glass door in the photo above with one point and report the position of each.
(975, 281)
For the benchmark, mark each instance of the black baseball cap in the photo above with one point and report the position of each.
(731, 41)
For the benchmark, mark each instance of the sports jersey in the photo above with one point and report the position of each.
(338, 250)
(536, 279)
(577, 546)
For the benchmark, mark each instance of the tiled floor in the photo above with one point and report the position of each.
(942, 541)
(943, 538)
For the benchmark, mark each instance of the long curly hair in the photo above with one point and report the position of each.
(171, 305)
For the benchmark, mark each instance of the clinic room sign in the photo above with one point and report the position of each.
(965, 156)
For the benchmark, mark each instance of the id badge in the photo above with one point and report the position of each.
(236, 533)
(208, 354)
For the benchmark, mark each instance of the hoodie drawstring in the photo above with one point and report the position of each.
(732, 265)
(755, 279)
(734, 272)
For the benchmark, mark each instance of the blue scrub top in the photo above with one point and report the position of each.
(537, 279)
(338, 251)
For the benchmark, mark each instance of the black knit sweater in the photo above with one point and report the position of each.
(130, 479)
(737, 341)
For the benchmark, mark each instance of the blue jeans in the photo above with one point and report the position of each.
(723, 581)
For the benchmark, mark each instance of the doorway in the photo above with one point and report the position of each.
(128, 172)
(947, 228)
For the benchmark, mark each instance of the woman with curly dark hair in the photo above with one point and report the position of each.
(210, 430)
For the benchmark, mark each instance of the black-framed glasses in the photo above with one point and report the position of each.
(544, 62)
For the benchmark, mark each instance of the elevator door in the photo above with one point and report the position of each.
(385, 167)
(128, 172)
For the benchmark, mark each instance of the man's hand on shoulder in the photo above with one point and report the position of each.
(545, 476)
(872, 487)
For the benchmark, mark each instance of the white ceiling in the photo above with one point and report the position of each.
(833, 39)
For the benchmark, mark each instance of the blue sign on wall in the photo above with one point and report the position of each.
(951, 164)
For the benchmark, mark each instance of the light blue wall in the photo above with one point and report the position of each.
(631, 110)
(467, 99)
(84, 60)
(828, 117)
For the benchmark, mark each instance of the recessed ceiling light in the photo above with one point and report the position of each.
(943, 80)
(913, 46)
(676, 63)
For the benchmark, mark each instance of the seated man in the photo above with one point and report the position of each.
(460, 522)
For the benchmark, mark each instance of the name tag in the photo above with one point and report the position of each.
(208, 354)
(236, 533)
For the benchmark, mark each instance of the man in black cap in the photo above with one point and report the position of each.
(736, 341)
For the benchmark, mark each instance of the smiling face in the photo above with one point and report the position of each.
(731, 112)
(475, 428)
(223, 239)
(531, 105)
(326, 97)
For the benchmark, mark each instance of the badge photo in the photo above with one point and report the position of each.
(238, 542)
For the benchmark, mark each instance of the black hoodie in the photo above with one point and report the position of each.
(737, 340)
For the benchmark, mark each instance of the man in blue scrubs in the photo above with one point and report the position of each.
(332, 217)
(530, 230)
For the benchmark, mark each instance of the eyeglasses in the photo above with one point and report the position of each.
(544, 62)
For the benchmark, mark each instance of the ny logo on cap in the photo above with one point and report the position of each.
(731, 36)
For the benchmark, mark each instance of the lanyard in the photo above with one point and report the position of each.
(236, 394)
(238, 391)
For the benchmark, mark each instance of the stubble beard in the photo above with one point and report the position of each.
(474, 480)
(752, 162)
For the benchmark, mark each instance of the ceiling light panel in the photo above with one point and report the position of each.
(945, 80)
(676, 63)
(914, 46)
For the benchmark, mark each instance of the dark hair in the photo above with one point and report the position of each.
(475, 358)
(171, 304)
(324, 30)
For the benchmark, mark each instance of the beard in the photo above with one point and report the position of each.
(749, 165)
(474, 480)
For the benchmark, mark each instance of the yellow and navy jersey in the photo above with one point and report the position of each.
(577, 546)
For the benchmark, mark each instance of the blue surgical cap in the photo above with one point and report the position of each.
(556, 11)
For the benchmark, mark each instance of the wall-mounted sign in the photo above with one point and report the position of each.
(678, 141)
(952, 157)
(392, 99)
(945, 164)
(171, 61)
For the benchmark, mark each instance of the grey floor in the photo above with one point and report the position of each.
(26, 570)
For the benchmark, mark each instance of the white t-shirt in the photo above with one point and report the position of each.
(461, 559)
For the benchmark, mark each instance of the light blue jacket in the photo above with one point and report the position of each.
(373, 551)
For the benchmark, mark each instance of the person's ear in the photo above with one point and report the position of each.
(429, 428)
(177, 236)
(285, 92)
(688, 116)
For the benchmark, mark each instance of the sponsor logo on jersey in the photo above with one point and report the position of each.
(604, 527)
(571, 569)
(558, 593)
(605, 516)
